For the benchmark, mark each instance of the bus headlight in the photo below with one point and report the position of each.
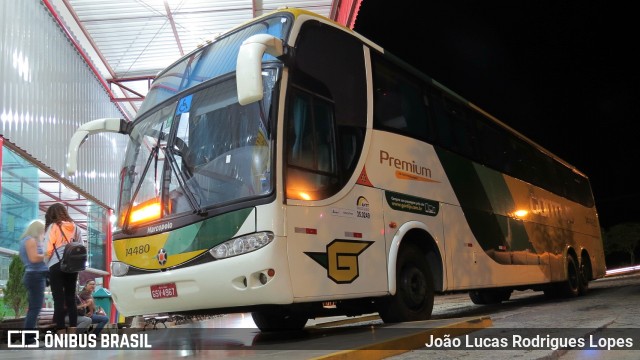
(119, 268)
(241, 245)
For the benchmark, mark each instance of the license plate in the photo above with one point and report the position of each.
(162, 291)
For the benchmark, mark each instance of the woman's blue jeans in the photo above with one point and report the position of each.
(35, 282)
(101, 320)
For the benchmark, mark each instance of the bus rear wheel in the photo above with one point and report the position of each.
(585, 275)
(414, 289)
(278, 320)
(571, 286)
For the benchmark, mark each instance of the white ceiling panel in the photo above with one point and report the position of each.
(138, 38)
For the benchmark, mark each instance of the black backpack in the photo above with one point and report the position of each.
(74, 256)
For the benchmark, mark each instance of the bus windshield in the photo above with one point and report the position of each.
(211, 61)
(202, 150)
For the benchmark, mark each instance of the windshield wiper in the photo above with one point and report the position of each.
(182, 181)
(152, 156)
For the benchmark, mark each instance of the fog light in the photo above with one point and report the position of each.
(263, 278)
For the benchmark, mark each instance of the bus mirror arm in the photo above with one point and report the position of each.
(249, 65)
(92, 127)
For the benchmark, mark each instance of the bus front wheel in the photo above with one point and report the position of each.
(278, 320)
(414, 289)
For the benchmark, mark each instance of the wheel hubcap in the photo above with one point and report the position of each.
(413, 285)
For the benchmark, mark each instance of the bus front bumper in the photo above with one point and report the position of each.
(239, 281)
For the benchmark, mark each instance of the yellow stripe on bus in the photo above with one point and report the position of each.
(144, 252)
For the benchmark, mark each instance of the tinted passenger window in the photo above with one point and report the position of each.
(400, 104)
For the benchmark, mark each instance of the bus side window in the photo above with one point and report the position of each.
(399, 102)
(463, 136)
(387, 99)
(491, 143)
(518, 159)
(441, 121)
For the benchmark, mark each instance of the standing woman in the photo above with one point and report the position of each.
(60, 230)
(35, 272)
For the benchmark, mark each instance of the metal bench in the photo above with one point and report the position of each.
(180, 319)
(154, 320)
(45, 319)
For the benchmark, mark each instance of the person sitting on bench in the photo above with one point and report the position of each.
(84, 322)
(86, 296)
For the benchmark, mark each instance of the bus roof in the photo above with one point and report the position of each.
(297, 12)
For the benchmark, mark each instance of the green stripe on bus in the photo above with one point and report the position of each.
(208, 233)
(486, 202)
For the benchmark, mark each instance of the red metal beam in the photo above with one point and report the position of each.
(127, 88)
(346, 12)
(42, 204)
(138, 97)
(46, 169)
(89, 38)
(134, 78)
(173, 26)
(80, 50)
(95, 47)
(126, 99)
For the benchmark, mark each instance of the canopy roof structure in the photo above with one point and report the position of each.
(127, 42)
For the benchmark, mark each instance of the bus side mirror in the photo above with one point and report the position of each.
(92, 127)
(249, 65)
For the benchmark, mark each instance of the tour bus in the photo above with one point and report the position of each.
(294, 169)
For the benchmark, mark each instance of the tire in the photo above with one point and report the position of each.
(571, 286)
(476, 297)
(413, 300)
(585, 276)
(490, 296)
(278, 320)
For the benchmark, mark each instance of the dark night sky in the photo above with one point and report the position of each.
(563, 73)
